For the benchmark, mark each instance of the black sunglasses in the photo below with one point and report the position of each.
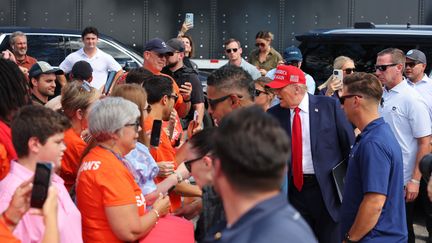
(148, 108)
(344, 97)
(214, 102)
(292, 63)
(136, 124)
(188, 163)
(233, 50)
(259, 44)
(175, 96)
(383, 68)
(349, 70)
(411, 64)
(259, 92)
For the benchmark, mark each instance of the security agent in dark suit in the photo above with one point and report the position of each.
(321, 138)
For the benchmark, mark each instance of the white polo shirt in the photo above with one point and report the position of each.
(424, 87)
(408, 116)
(101, 64)
(307, 163)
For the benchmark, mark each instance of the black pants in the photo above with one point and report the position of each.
(310, 204)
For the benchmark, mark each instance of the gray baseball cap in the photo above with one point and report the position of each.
(42, 67)
(416, 55)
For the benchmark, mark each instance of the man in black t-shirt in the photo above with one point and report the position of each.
(182, 74)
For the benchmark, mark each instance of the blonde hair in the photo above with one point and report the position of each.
(77, 95)
(338, 63)
(136, 94)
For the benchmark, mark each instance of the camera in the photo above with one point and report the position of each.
(426, 166)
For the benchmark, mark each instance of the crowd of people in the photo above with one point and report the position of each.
(281, 158)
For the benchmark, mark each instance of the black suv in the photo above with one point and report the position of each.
(53, 45)
(361, 43)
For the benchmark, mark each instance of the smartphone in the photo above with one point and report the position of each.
(195, 116)
(41, 183)
(338, 73)
(155, 133)
(189, 19)
(109, 82)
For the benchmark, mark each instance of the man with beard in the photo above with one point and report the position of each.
(42, 82)
(185, 75)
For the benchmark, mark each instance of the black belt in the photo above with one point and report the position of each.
(309, 178)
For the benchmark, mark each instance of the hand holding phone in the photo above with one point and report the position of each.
(41, 183)
(338, 73)
(189, 20)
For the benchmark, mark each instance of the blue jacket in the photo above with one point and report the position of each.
(331, 137)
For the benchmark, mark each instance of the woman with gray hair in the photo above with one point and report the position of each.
(110, 201)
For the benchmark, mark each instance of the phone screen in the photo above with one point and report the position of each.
(41, 182)
(155, 133)
(109, 81)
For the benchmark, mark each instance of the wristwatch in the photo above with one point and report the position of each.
(347, 239)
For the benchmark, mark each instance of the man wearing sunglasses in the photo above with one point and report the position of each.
(414, 72)
(408, 116)
(373, 207)
(234, 51)
(229, 88)
(321, 137)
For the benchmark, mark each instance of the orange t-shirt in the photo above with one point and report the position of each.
(71, 158)
(165, 152)
(103, 181)
(6, 235)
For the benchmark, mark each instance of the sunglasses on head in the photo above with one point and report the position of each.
(383, 68)
(259, 44)
(349, 70)
(233, 50)
(344, 97)
(411, 64)
(85, 86)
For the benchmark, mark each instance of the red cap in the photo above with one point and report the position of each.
(287, 74)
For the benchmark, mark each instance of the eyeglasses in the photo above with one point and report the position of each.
(259, 44)
(174, 96)
(85, 86)
(188, 163)
(383, 68)
(411, 64)
(259, 92)
(344, 97)
(349, 70)
(214, 102)
(233, 50)
(136, 124)
(292, 63)
(148, 109)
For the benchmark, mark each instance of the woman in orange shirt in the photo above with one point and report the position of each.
(111, 203)
(77, 97)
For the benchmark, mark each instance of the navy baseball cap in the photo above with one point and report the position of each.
(292, 53)
(158, 45)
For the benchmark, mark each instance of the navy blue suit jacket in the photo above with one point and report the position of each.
(331, 137)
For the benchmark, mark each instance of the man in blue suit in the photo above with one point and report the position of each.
(321, 137)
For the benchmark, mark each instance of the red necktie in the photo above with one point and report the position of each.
(297, 151)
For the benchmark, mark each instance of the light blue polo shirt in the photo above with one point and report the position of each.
(407, 114)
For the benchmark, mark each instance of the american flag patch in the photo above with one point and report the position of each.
(294, 78)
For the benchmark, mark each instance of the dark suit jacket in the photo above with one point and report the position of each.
(331, 137)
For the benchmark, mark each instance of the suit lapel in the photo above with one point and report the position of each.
(313, 122)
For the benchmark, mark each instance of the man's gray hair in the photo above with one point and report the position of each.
(108, 115)
(15, 35)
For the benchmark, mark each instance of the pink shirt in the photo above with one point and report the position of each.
(31, 227)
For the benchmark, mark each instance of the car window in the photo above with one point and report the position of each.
(48, 48)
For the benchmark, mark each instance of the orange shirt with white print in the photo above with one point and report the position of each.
(165, 152)
(104, 181)
(71, 158)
